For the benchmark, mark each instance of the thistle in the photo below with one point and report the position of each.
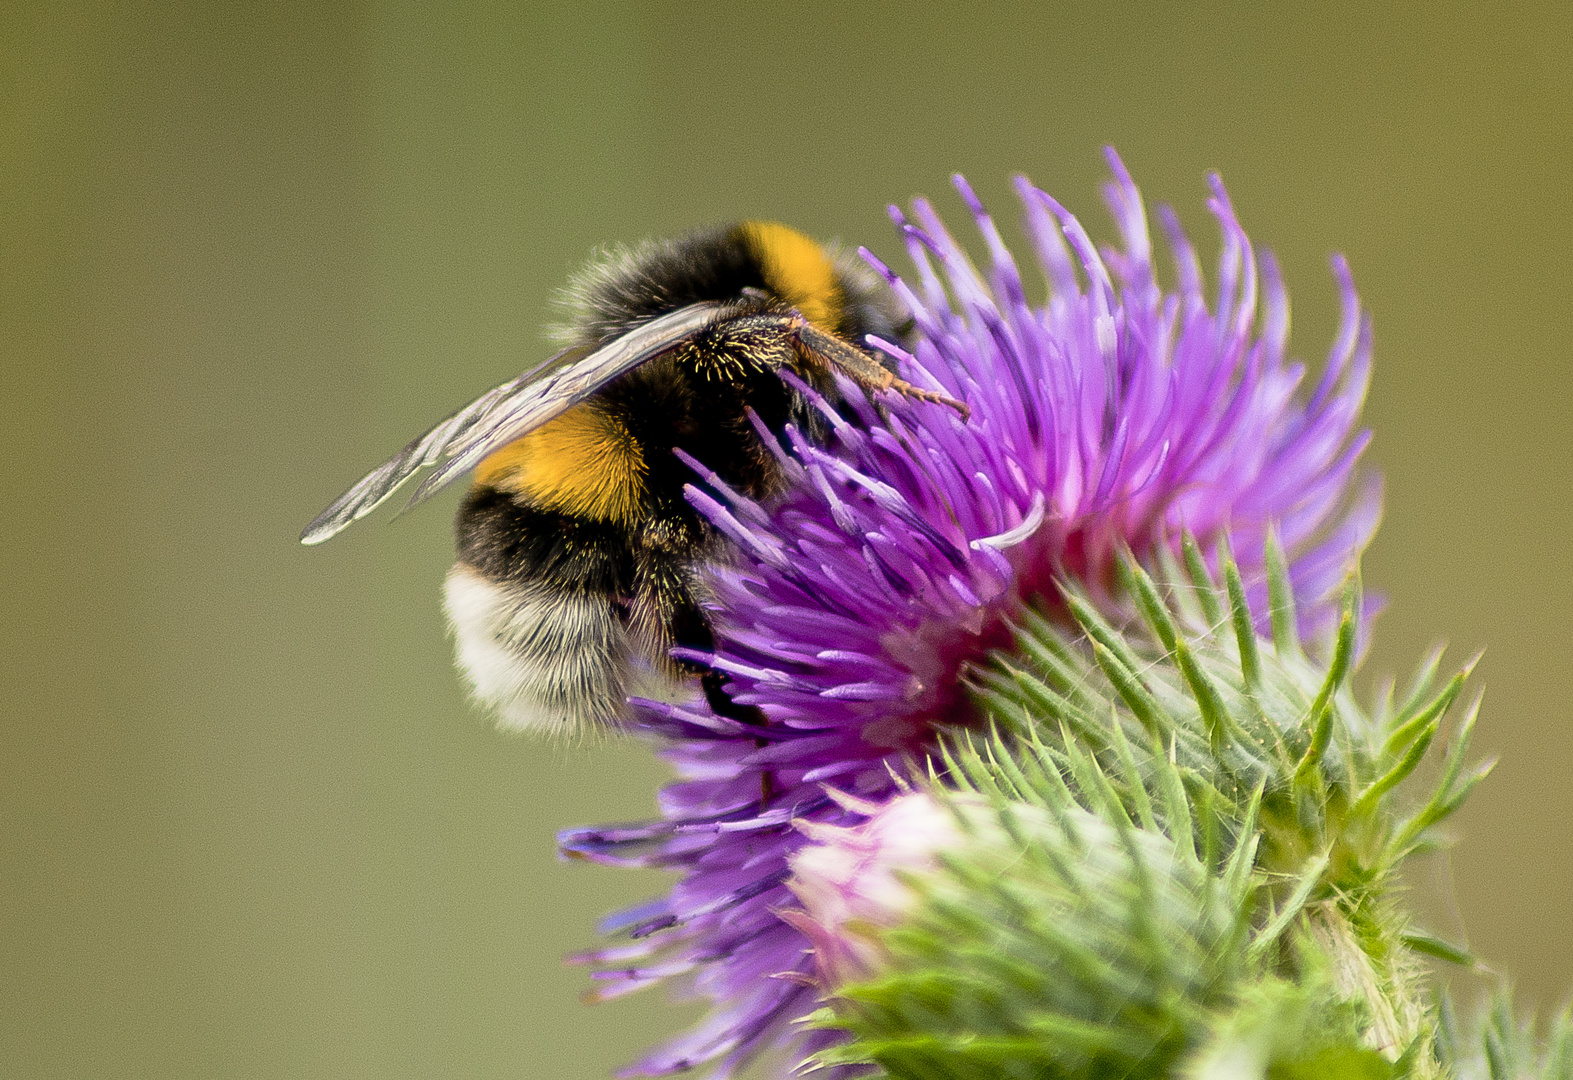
(1046, 784)
(1204, 833)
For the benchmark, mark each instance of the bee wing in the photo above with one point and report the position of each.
(504, 414)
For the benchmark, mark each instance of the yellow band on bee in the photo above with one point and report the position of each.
(797, 269)
(584, 463)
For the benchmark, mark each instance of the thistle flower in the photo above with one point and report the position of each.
(1112, 415)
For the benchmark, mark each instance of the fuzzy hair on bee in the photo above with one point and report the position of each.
(581, 565)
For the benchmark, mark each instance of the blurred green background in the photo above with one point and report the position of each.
(249, 826)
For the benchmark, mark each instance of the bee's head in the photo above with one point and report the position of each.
(833, 289)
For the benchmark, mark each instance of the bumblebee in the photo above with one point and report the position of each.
(580, 562)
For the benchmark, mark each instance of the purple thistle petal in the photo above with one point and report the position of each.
(1114, 414)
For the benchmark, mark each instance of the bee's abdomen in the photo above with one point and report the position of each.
(547, 660)
(538, 606)
(507, 539)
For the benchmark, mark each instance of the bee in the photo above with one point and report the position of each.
(580, 563)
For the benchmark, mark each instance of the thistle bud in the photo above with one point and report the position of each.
(852, 881)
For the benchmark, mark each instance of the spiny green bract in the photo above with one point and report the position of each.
(1208, 829)
(1499, 1047)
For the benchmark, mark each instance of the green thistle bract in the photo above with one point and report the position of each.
(1501, 1047)
(1207, 829)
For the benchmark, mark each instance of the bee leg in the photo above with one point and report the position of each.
(864, 370)
(686, 626)
(714, 684)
